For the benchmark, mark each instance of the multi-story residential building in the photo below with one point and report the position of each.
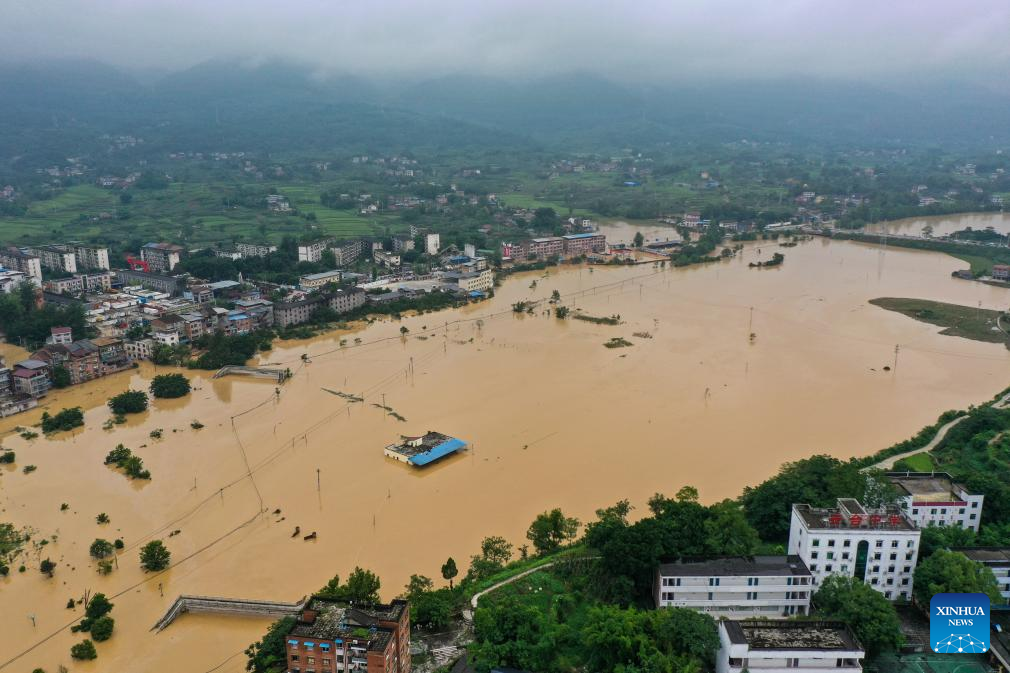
(112, 356)
(91, 256)
(141, 349)
(390, 260)
(542, 248)
(402, 244)
(331, 636)
(879, 547)
(12, 258)
(161, 257)
(577, 245)
(55, 258)
(11, 279)
(348, 252)
(1001, 272)
(60, 335)
(299, 311)
(432, 243)
(996, 559)
(314, 281)
(98, 282)
(74, 285)
(934, 499)
(30, 377)
(736, 587)
(173, 285)
(238, 323)
(254, 249)
(796, 646)
(471, 281)
(260, 311)
(514, 251)
(312, 251)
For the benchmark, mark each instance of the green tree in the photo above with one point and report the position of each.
(933, 538)
(550, 530)
(363, 586)
(84, 651)
(100, 548)
(496, 551)
(101, 628)
(729, 531)
(169, 386)
(154, 556)
(449, 570)
(47, 566)
(674, 639)
(60, 377)
(432, 609)
(510, 633)
(269, 654)
(418, 585)
(952, 572)
(870, 616)
(639, 240)
(128, 402)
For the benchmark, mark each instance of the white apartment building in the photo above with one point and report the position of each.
(161, 257)
(796, 647)
(14, 259)
(254, 249)
(92, 257)
(879, 547)
(996, 559)
(314, 281)
(140, 349)
(736, 587)
(11, 279)
(934, 499)
(313, 251)
(55, 258)
(432, 243)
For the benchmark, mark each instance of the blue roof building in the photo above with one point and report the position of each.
(424, 450)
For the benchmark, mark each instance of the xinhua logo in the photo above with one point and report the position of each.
(959, 623)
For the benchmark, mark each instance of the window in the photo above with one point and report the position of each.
(709, 595)
(906, 569)
(813, 567)
(910, 544)
(827, 568)
(972, 517)
(713, 581)
(310, 660)
(792, 663)
(904, 582)
(933, 511)
(831, 555)
(908, 556)
(876, 569)
(294, 657)
(845, 555)
(752, 595)
(880, 543)
(753, 581)
(847, 543)
(974, 504)
(831, 543)
(894, 544)
(894, 557)
(915, 510)
(813, 554)
(876, 556)
(961, 511)
(887, 594)
(845, 567)
(890, 569)
(736, 663)
(816, 542)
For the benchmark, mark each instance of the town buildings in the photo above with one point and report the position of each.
(387, 259)
(879, 547)
(330, 636)
(934, 499)
(161, 257)
(432, 243)
(542, 248)
(92, 257)
(736, 587)
(796, 646)
(16, 260)
(30, 378)
(312, 251)
(314, 281)
(348, 252)
(172, 285)
(471, 281)
(55, 258)
(11, 279)
(254, 249)
(299, 311)
(578, 245)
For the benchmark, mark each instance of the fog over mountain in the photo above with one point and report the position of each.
(648, 41)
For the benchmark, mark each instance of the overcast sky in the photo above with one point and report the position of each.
(648, 40)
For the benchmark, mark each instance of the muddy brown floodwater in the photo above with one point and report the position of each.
(555, 419)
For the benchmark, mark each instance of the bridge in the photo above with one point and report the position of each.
(279, 375)
(227, 606)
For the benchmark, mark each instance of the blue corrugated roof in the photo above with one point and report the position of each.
(440, 451)
(587, 235)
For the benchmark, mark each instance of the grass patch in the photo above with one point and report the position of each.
(618, 342)
(597, 320)
(963, 321)
(920, 462)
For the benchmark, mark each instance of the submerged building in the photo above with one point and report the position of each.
(330, 635)
(424, 450)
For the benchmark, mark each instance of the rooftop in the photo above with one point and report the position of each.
(591, 234)
(739, 566)
(798, 635)
(926, 486)
(427, 448)
(990, 556)
(167, 247)
(322, 275)
(328, 619)
(850, 514)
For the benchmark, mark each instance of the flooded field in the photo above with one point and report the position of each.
(555, 419)
(943, 224)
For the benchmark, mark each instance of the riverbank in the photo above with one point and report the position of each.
(969, 322)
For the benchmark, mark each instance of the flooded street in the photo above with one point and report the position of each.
(554, 419)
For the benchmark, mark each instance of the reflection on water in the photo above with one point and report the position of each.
(554, 419)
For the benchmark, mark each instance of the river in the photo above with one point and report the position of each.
(554, 419)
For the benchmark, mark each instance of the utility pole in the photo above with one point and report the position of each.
(896, 349)
(318, 484)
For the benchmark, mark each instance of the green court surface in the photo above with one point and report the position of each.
(930, 663)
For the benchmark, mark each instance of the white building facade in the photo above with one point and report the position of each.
(737, 587)
(787, 647)
(878, 547)
(934, 499)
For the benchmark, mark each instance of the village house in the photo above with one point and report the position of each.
(934, 499)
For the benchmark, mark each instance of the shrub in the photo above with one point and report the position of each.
(102, 518)
(67, 419)
(101, 628)
(100, 548)
(7, 457)
(84, 651)
(170, 386)
(129, 402)
(47, 566)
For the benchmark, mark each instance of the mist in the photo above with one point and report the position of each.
(648, 42)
